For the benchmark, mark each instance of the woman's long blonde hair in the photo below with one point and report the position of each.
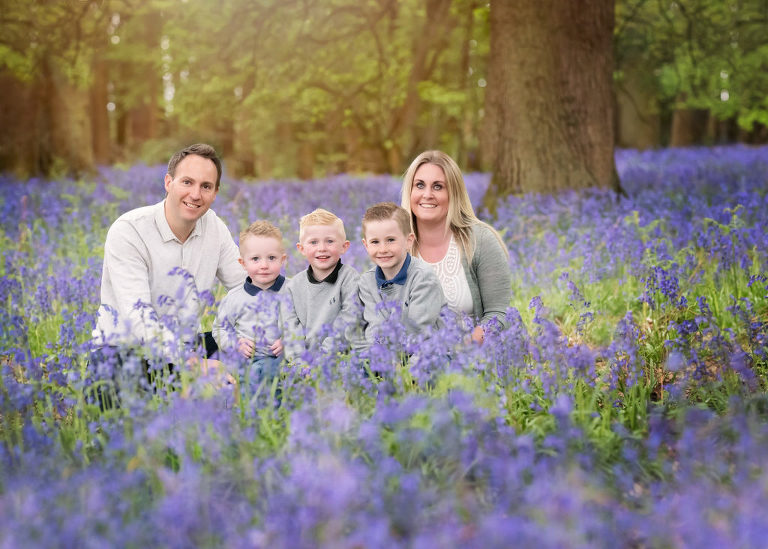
(461, 215)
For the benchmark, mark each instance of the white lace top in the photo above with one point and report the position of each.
(450, 272)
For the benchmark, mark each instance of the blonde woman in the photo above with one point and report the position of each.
(468, 256)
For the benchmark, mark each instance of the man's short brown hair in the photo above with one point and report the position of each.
(200, 149)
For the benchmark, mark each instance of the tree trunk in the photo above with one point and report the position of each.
(550, 97)
(689, 127)
(637, 108)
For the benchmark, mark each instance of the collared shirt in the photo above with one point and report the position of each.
(399, 278)
(149, 276)
(251, 313)
(330, 279)
(251, 288)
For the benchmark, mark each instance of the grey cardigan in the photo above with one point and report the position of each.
(488, 276)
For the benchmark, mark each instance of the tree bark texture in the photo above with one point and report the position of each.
(549, 104)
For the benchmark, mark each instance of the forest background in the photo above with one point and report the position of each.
(306, 88)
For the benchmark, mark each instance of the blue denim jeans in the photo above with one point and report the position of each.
(263, 371)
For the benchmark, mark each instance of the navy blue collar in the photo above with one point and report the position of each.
(400, 277)
(330, 279)
(251, 288)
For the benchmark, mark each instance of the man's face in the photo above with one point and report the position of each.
(322, 245)
(191, 190)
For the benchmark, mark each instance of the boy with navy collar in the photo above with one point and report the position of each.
(398, 277)
(249, 318)
(323, 308)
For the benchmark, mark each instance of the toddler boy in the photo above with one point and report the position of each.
(324, 297)
(398, 277)
(249, 318)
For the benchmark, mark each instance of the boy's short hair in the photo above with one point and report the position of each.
(262, 228)
(384, 211)
(321, 217)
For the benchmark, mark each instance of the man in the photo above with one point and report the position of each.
(160, 260)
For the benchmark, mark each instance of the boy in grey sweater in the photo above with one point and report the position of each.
(323, 308)
(398, 277)
(249, 317)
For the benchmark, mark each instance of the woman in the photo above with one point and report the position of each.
(468, 255)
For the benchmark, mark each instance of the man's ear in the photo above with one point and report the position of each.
(167, 180)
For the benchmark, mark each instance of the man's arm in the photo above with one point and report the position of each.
(229, 271)
(127, 265)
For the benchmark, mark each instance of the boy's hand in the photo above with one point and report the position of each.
(277, 347)
(245, 347)
(478, 335)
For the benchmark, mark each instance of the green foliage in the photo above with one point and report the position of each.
(704, 54)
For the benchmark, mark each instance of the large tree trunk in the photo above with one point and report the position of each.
(689, 127)
(549, 100)
(637, 108)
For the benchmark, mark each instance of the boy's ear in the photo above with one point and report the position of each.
(300, 247)
(365, 244)
(410, 239)
(240, 260)
(284, 259)
(345, 246)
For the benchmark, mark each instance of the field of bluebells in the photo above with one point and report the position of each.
(624, 406)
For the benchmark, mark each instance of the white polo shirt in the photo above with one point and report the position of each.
(140, 252)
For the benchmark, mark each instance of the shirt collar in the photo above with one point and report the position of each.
(165, 229)
(251, 288)
(330, 279)
(399, 278)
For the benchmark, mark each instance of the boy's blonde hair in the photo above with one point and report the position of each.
(321, 217)
(262, 228)
(384, 211)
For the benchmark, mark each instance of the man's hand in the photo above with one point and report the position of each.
(245, 347)
(478, 335)
(277, 347)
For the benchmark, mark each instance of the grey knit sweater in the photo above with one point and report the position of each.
(488, 276)
(416, 289)
(249, 312)
(331, 302)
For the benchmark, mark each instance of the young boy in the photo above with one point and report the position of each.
(324, 297)
(249, 318)
(397, 277)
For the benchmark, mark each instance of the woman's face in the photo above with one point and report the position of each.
(429, 194)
